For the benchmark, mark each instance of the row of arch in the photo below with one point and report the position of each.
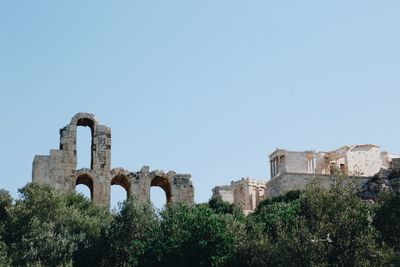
(60, 169)
(121, 180)
(89, 141)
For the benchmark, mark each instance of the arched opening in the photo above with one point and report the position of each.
(86, 182)
(83, 190)
(157, 196)
(120, 187)
(84, 137)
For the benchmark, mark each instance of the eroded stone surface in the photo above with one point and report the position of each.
(387, 180)
(290, 170)
(245, 193)
(369, 168)
(59, 169)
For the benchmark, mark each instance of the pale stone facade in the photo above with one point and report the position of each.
(355, 160)
(292, 170)
(59, 169)
(245, 193)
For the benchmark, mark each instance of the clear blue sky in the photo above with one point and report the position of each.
(202, 87)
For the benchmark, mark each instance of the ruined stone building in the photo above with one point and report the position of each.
(59, 171)
(291, 170)
(245, 193)
(357, 160)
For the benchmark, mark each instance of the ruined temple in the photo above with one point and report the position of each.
(59, 170)
(291, 170)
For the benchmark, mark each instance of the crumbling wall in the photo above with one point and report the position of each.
(365, 160)
(225, 192)
(58, 170)
(177, 187)
(357, 160)
(284, 183)
(245, 193)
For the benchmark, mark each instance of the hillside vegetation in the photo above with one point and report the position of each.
(317, 227)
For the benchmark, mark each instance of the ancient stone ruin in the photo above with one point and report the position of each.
(290, 170)
(370, 168)
(58, 170)
(246, 193)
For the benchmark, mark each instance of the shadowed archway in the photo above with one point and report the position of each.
(164, 183)
(122, 181)
(87, 180)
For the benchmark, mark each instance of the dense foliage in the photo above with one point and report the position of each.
(317, 227)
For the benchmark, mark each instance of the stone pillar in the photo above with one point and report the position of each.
(270, 168)
(273, 167)
(279, 164)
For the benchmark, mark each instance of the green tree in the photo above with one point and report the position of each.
(386, 220)
(50, 229)
(134, 229)
(218, 205)
(276, 235)
(340, 223)
(5, 204)
(195, 236)
(288, 197)
(319, 227)
(4, 259)
(89, 226)
(274, 214)
(325, 226)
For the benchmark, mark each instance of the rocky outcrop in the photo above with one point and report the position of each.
(386, 180)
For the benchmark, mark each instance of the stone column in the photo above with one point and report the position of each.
(278, 164)
(270, 168)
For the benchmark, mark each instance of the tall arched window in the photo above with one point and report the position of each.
(84, 143)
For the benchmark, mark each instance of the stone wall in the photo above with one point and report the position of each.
(282, 161)
(354, 160)
(58, 170)
(297, 162)
(286, 182)
(245, 193)
(364, 160)
(292, 170)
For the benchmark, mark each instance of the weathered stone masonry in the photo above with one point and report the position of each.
(291, 170)
(370, 168)
(58, 170)
(246, 193)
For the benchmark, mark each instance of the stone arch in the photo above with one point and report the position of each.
(164, 183)
(85, 120)
(123, 181)
(85, 179)
(59, 169)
